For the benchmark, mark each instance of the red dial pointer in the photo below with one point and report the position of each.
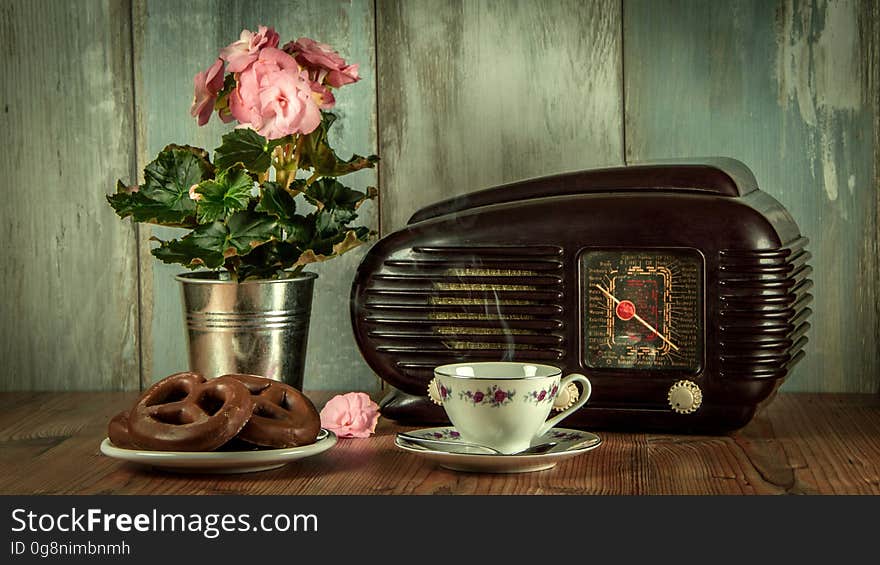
(626, 310)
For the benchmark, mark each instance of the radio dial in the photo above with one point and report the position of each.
(685, 397)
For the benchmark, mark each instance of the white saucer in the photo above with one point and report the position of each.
(571, 443)
(220, 461)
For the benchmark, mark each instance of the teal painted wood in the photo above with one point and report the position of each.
(791, 89)
(68, 278)
(474, 94)
(170, 49)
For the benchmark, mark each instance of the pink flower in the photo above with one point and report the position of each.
(240, 54)
(324, 64)
(322, 95)
(193, 195)
(350, 415)
(207, 85)
(274, 97)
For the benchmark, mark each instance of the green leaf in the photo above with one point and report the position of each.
(268, 260)
(300, 229)
(247, 147)
(316, 153)
(142, 209)
(130, 202)
(169, 177)
(329, 193)
(213, 243)
(247, 230)
(195, 249)
(230, 191)
(330, 222)
(276, 201)
(280, 204)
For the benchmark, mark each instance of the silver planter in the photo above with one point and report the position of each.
(256, 327)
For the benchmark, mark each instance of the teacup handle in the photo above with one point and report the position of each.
(585, 395)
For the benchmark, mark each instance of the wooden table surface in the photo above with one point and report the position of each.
(800, 444)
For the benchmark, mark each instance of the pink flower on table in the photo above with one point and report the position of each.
(207, 84)
(324, 64)
(274, 97)
(239, 54)
(350, 415)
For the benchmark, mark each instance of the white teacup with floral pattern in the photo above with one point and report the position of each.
(504, 405)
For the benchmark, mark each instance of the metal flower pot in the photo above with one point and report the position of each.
(255, 327)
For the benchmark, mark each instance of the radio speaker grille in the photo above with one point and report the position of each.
(427, 306)
(764, 298)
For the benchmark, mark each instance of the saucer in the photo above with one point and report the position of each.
(570, 443)
(220, 461)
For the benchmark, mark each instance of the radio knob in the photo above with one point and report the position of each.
(685, 397)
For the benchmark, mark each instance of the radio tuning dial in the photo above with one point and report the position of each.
(685, 397)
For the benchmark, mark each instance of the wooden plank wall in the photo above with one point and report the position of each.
(457, 95)
(475, 94)
(791, 89)
(68, 273)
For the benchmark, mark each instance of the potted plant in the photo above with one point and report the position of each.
(268, 203)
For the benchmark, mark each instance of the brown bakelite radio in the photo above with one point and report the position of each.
(680, 290)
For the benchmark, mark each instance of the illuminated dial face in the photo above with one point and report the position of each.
(643, 309)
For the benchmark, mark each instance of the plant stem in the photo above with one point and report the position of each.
(297, 153)
(231, 265)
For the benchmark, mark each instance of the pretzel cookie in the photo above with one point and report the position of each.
(186, 412)
(118, 432)
(283, 416)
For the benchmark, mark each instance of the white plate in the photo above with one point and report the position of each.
(220, 461)
(571, 443)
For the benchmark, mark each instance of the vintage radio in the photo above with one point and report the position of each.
(680, 290)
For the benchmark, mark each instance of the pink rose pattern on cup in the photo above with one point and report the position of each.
(543, 395)
(494, 396)
(445, 392)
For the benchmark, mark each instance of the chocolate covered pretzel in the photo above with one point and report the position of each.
(186, 412)
(283, 416)
(118, 432)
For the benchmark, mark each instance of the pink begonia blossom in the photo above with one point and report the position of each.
(325, 66)
(193, 195)
(322, 95)
(207, 85)
(239, 54)
(350, 415)
(274, 97)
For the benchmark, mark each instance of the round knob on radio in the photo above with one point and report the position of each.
(685, 397)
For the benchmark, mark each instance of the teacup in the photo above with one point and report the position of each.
(504, 405)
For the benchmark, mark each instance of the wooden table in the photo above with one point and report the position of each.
(802, 443)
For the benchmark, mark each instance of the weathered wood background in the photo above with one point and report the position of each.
(456, 95)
